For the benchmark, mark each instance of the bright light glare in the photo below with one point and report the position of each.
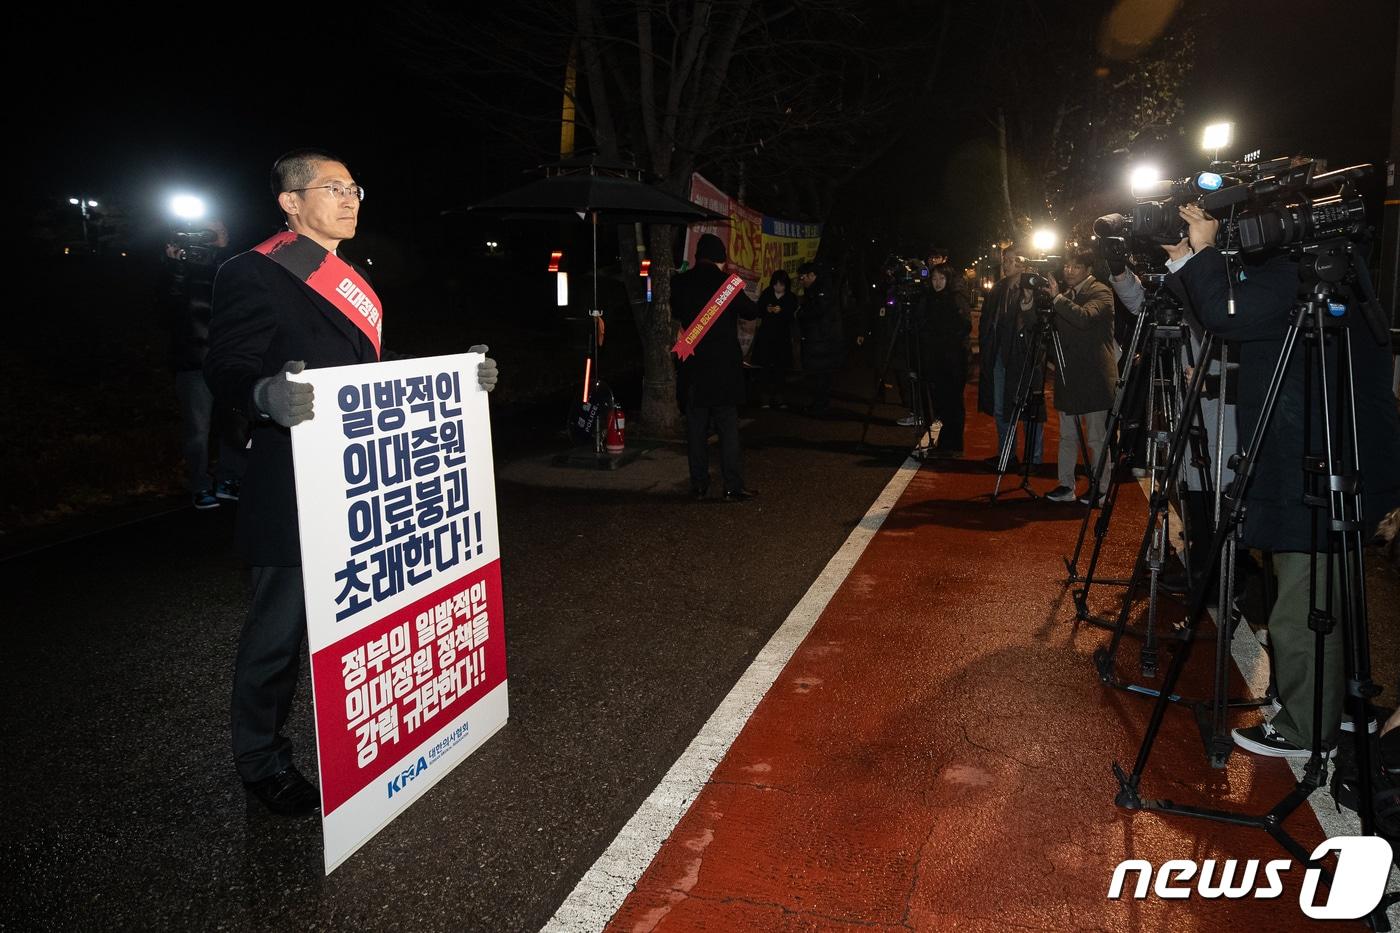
(187, 207)
(73, 201)
(1044, 239)
(92, 204)
(1217, 136)
(1143, 176)
(562, 290)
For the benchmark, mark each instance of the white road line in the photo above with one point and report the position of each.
(613, 876)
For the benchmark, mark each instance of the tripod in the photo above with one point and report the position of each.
(1159, 376)
(1029, 405)
(920, 389)
(1334, 486)
(1125, 391)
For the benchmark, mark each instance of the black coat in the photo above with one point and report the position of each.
(947, 319)
(819, 320)
(772, 345)
(1084, 319)
(263, 317)
(1004, 333)
(1275, 517)
(714, 374)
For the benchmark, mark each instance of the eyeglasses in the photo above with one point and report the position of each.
(337, 190)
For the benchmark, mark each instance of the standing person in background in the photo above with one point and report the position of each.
(823, 351)
(712, 366)
(772, 347)
(1084, 390)
(192, 257)
(1003, 342)
(948, 323)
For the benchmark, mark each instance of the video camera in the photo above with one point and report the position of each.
(1292, 205)
(1039, 286)
(1154, 218)
(1285, 202)
(906, 273)
(195, 247)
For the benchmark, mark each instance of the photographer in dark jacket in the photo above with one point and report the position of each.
(191, 259)
(1003, 338)
(772, 345)
(1276, 518)
(1084, 390)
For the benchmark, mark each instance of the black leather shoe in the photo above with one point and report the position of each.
(740, 495)
(286, 793)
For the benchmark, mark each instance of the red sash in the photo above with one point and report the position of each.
(330, 277)
(720, 300)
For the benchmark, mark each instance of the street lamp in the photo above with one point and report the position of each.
(82, 204)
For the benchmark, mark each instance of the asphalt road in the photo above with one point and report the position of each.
(629, 615)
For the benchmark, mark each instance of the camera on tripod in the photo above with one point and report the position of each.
(1039, 286)
(1154, 218)
(906, 275)
(1291, 203)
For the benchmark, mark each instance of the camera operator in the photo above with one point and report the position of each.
(1086, 386)
(1277, 519)
(1003, 341)
(191, 259)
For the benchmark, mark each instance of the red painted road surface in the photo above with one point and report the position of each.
(936, 755)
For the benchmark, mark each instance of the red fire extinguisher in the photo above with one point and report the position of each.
(616, 439)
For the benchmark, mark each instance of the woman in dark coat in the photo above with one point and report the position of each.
(948, 323)
(772, 345)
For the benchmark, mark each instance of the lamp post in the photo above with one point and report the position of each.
(83, 204)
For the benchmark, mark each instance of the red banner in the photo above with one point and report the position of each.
(720, 300)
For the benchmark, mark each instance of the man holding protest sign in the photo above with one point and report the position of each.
(289, 304)
(707, 345)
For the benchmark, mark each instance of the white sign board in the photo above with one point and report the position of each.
(396, 496)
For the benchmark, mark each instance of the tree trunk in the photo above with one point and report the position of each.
(659, 415)
(1005, 174)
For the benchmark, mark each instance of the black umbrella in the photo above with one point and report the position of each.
(588, 188)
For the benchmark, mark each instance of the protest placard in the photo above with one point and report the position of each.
(396, 502)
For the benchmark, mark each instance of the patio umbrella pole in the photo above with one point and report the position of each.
(593, 314)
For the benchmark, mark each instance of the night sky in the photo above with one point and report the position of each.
(145, 108)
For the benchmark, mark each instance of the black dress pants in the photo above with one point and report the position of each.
(697, 426)
(265, 674)
(949, 382)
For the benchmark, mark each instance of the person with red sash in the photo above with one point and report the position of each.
(706, 304)
(289, 304)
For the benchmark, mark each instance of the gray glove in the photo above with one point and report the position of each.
(286, 402)
(486, 373)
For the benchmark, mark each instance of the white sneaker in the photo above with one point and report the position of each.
(908, 421)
